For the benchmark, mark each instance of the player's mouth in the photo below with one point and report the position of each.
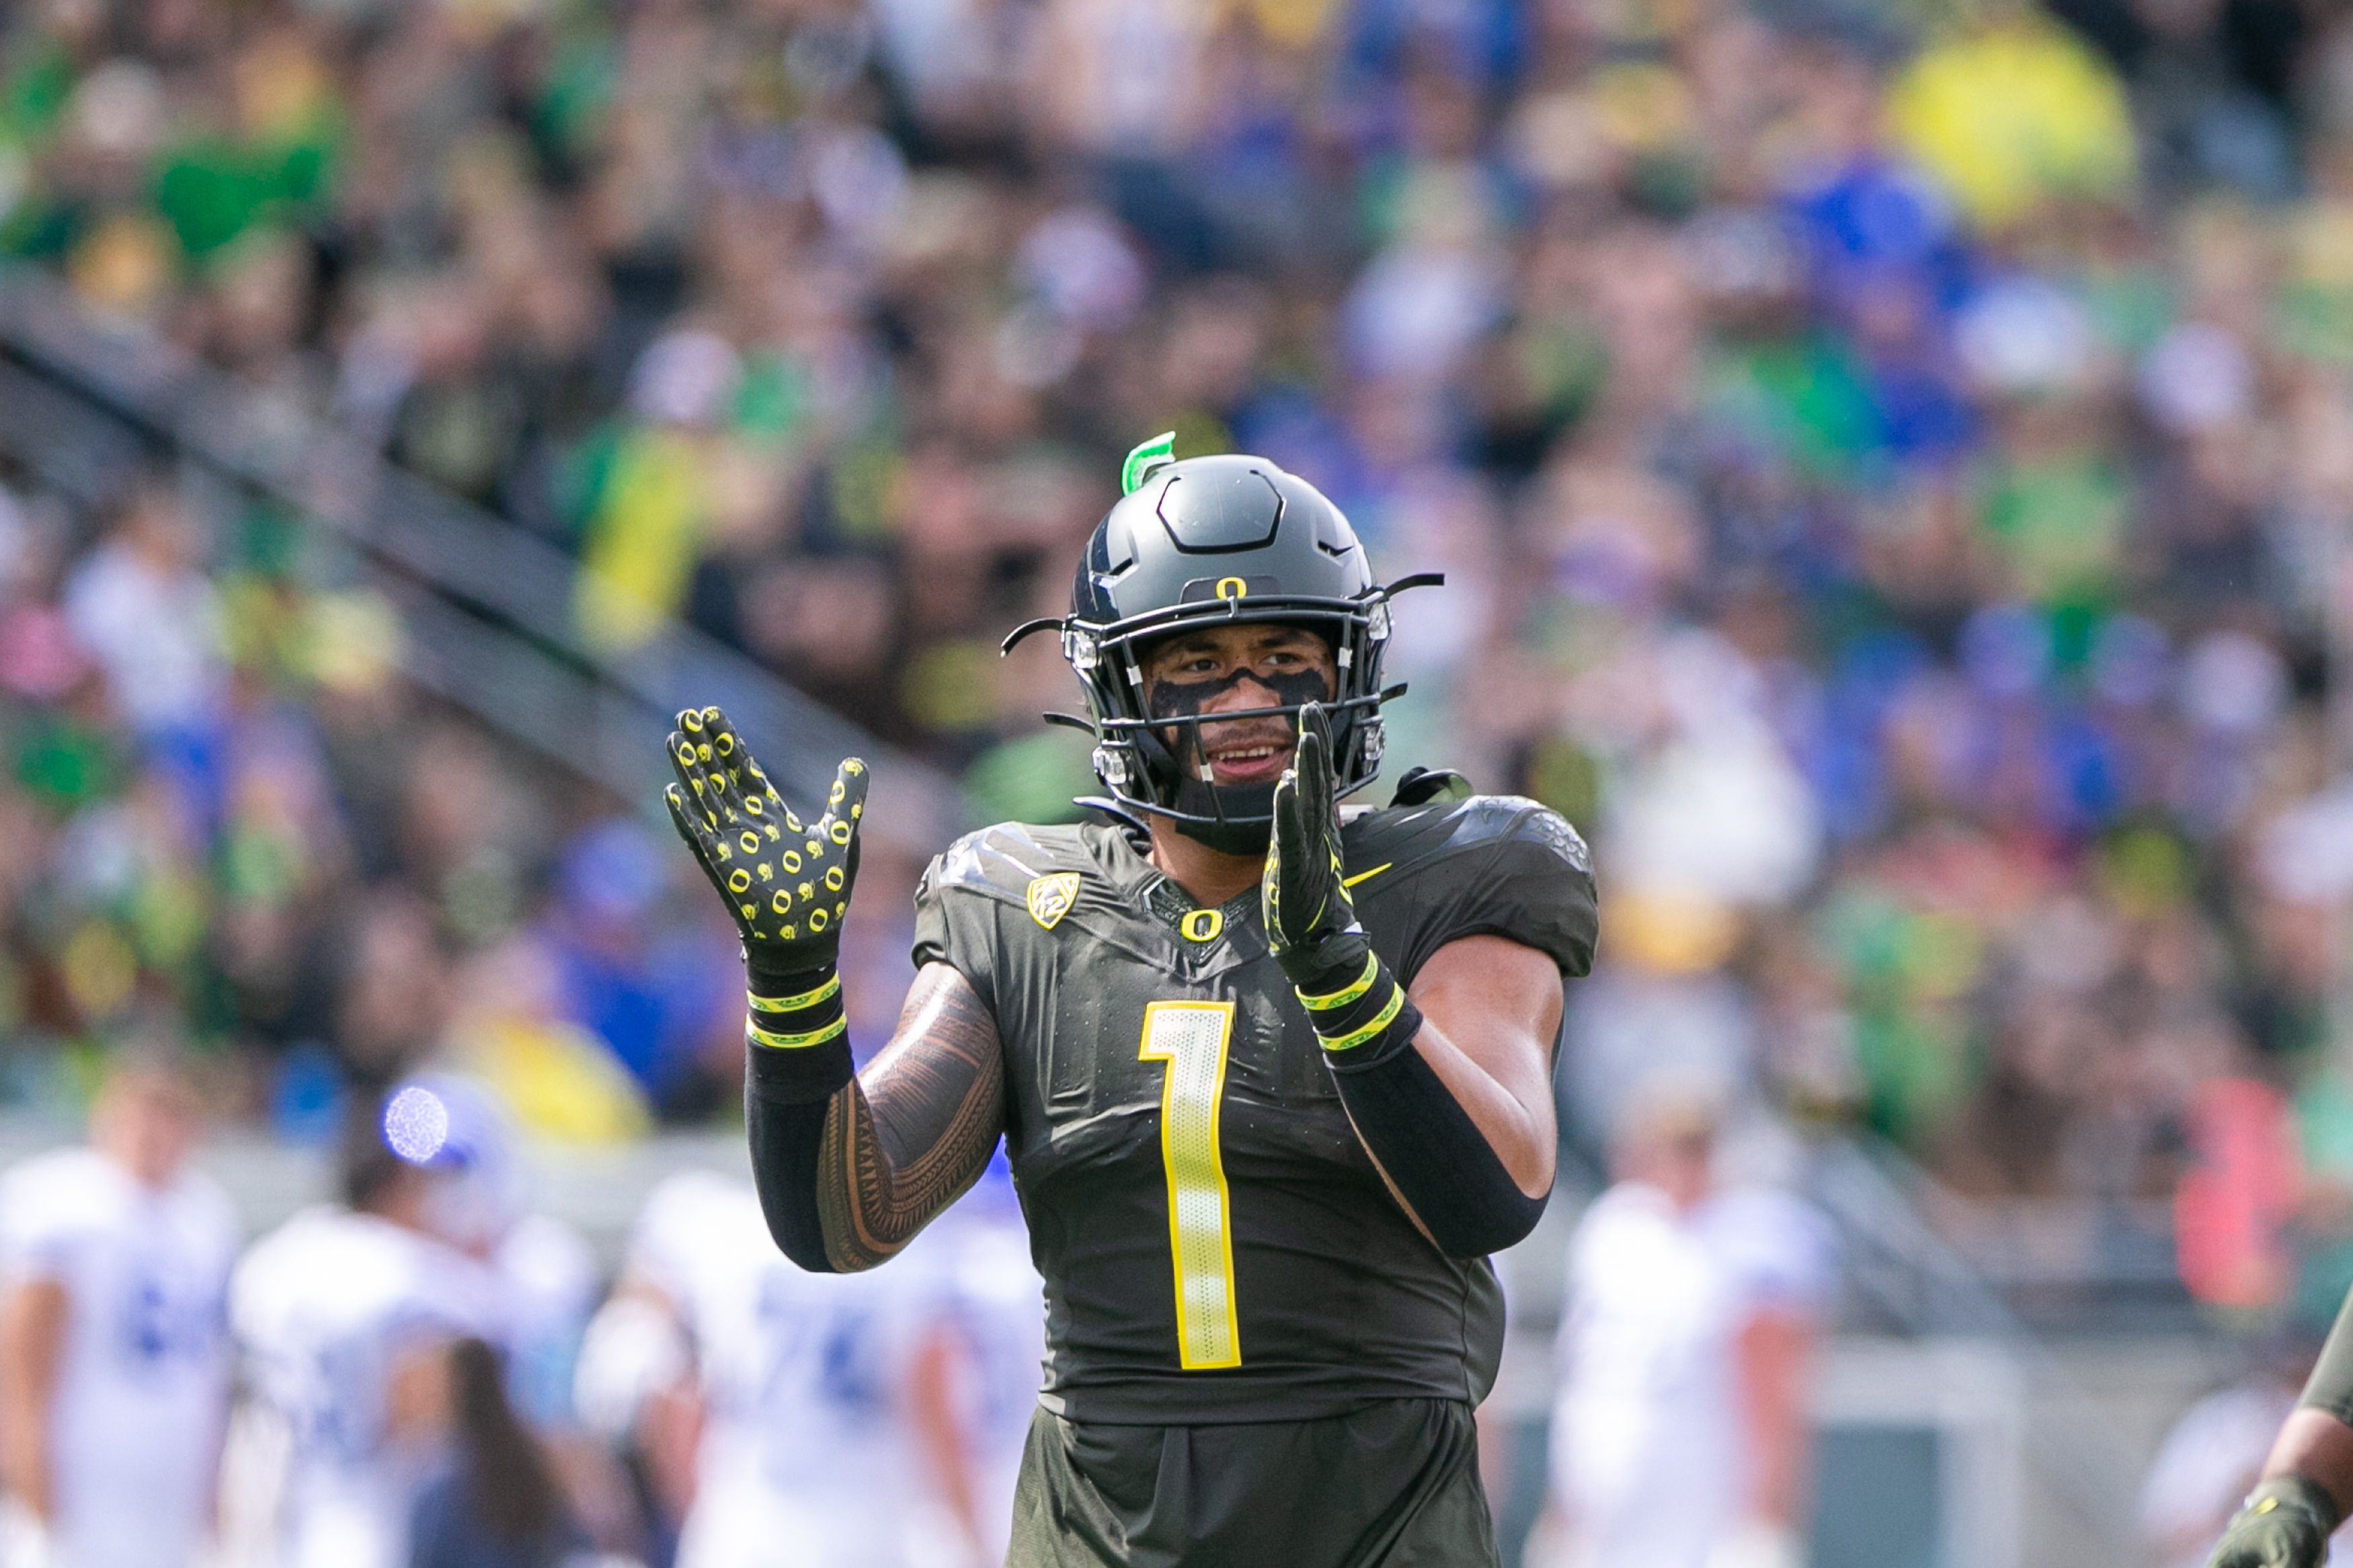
(1257, 758)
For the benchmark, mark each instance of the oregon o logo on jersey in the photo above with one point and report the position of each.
(1051, 898)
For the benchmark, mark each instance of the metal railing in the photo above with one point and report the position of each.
(489, 606)
(1902, 1269)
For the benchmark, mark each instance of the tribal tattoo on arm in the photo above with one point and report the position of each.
(907, 1137)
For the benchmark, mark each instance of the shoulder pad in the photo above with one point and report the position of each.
(1444, 829)
(1004, 860)
(1499, 819)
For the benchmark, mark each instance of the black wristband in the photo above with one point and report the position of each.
(1363, 1018)
(1329, 965)
(789, 1014)
(771, 973)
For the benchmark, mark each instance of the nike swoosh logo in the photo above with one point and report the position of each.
(1367, 876)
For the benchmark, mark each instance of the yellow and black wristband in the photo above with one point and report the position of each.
(797, 1035)
(1364, 1021)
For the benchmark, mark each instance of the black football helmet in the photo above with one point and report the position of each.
(1220, 540)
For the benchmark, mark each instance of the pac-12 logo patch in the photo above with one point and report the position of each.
(1051, 898)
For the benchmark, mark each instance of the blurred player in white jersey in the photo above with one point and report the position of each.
(805, 1455)
(1679, 1434)
(974, 1382)
(344, 1315)
(116, 1361)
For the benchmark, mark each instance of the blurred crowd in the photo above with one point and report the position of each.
(1890, 463)
(227, 818)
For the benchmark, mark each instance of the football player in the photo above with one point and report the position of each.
(800, 1384)
(975, 1382)
(345, 1314)
(2307, 1482)
(1274, 1078)
(118, 1259)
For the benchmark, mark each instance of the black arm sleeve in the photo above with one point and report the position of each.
(786, 1095)
(1441, 1164)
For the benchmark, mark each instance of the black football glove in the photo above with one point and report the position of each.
(1358, 1010)
(2285, 1523)
(1311, 923)
(786, 882)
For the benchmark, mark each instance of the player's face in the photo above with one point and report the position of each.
(1225, 669)
(145, 1121)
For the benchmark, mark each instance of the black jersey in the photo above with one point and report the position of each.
(1216, 1244)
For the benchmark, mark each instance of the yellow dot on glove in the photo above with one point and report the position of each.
(752, 807)
(817, 920)
(702, 752)
(853, 765)
(738, 879)
(840, 789)
(767, 873)
(792, 859)
(686, 753)
(749, 910)
(711, 714)
(838, 908)
(807, 891)
(791, 821)
(724, 743)
(773, 836)
(690, 721)
(814, 848)
(697, 782)
(840, 833)
(833, 877)
(750, 841)
(787, 934)
(781, 902)
(857, 810)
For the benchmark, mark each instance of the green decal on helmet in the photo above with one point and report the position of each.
(1160, 449)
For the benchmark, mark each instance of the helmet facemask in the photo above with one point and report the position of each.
(1132, 717)
(1218, 541)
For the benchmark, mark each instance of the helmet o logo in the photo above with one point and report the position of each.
(1202, 925)
(1231, 588)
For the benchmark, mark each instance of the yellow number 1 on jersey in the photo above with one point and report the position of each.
(1191, 1038)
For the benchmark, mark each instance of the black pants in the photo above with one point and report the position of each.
(1395, 1485)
